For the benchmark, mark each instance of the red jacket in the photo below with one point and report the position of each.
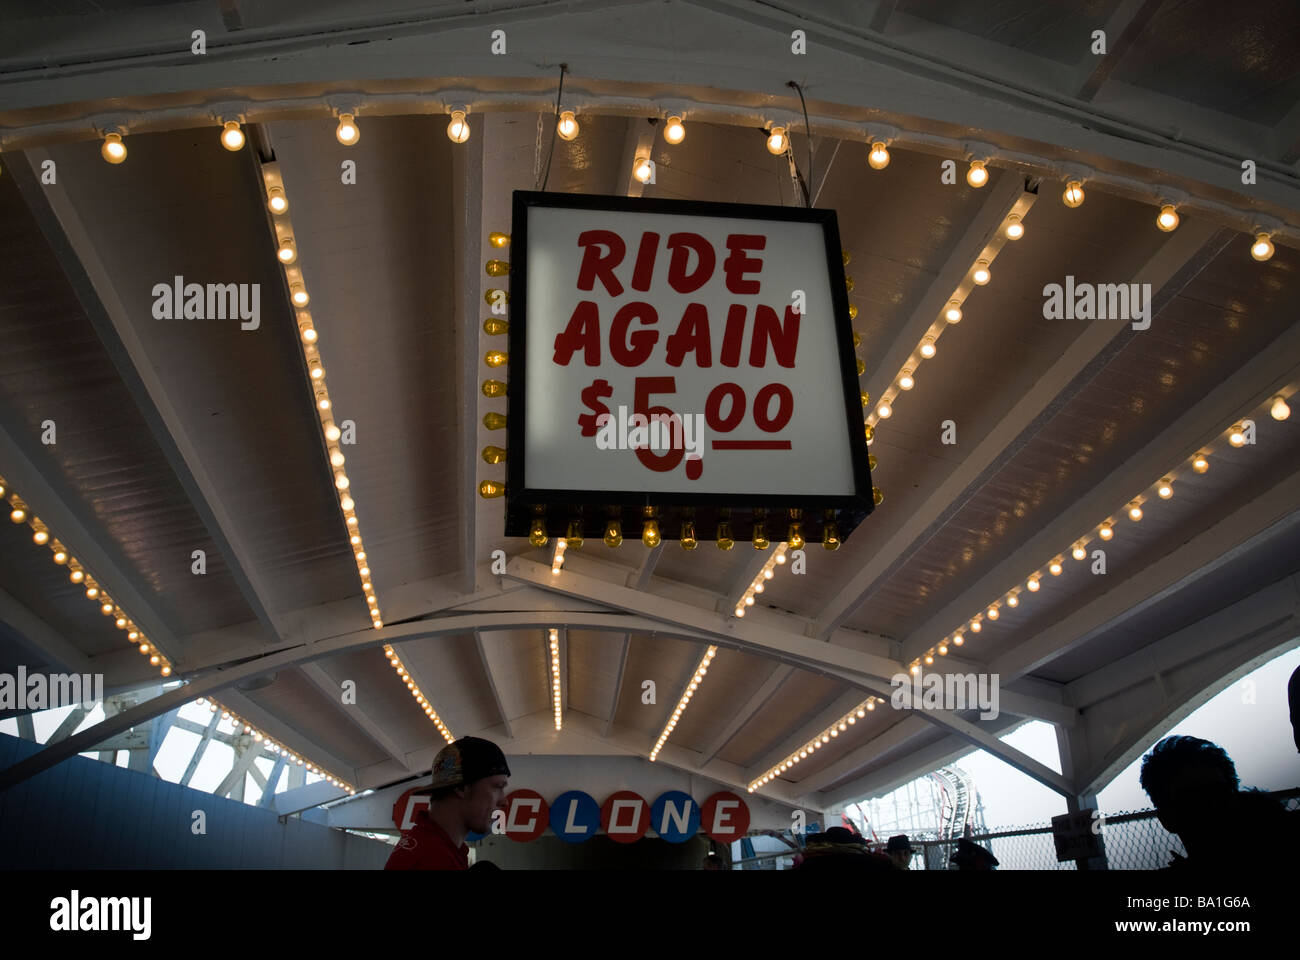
(426, 846)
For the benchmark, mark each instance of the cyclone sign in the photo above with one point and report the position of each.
(698, 356)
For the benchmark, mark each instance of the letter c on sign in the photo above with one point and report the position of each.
(526, 815)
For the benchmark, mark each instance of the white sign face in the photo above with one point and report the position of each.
(725, 324)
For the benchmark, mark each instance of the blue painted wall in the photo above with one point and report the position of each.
(86, 814)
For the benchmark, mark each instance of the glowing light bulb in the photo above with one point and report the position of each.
(298, 294)
(495, 358)
(494, 388)
(60, 556)
(613, 533)
(830, 536)
(308, 334)
(1032, 584)
(1200, 464)
(276, 201)
(1073, 195)
(1279, 410)
(494, 455)
(642, 169)
(650, 534)
(1167, 218)
(976, 626)
(777, 141)
(76, 576)
(232, 138)
(1238, 436)
(927, 348)
(724, 539)
(1106, 531)
(794, 537)
(1078, 552)
(759, 539)
(494, 327)
(347, 132)
(1166, 489)
(687, 538)
(458, 127)
(113, 150)
(953, 313)
(1055, 568)
(1262, 248)
(537, 533)
(499, 239)
(287, 251)
(18, 515)
(40, 537)
(1135, 513)
(489, 489)
(674, 130)
(1015, 229)
(977, 175)
(884, 411)
(878, 158)
(981, 275)
(905, 382)
(992, 613)
(567, 126)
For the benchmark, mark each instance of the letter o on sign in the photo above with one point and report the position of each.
(625, 816)
(526, 815)
(724, 817)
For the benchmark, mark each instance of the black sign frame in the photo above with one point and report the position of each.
(593, 508)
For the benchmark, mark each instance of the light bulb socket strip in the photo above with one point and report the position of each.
(440, 100)
(271, 745)
(694, 684)
(837, 727)
(701, 523)
(1161, 490)
(404, 675)
(775, 559)
(42, 536)
(309, 343)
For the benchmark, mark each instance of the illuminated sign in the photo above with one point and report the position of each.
(680, 361)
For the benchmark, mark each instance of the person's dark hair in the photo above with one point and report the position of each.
(443, 793)
(1174, 753)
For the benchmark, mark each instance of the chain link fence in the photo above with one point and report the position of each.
(1133, 840)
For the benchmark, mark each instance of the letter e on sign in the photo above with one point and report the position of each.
(526, 815)
(625, 816)
(724, 817)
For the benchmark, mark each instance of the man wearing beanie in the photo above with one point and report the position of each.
(469, 782)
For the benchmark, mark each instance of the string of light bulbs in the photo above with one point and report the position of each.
(78, 574)
(833, 730)
(286, 252)
(271, 745)
(557, 702)
(1105, 531)
(696, 680)
(404, 675)
(759, 583)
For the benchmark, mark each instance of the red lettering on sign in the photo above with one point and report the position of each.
(596, 264)
(582, 333)
(737, 264)
(631, 350)
(692, 334)
(680, 244)
(733, 335)
(783, 337)
(645, 262)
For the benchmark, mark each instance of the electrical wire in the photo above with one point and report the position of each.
(564, 68)
(807, 129)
